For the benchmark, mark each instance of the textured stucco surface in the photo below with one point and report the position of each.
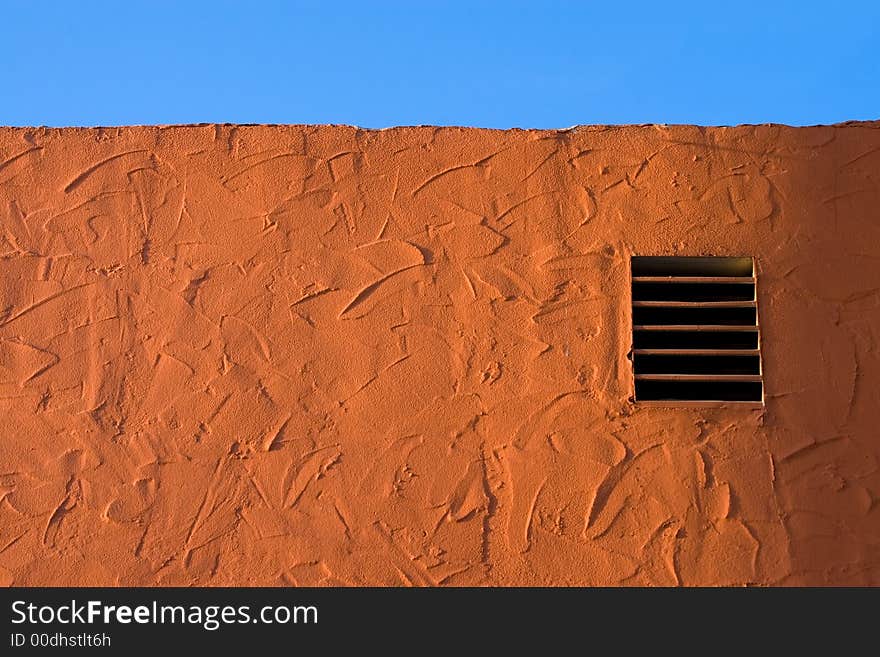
(321, 355)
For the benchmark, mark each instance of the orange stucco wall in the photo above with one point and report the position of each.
(324, 355)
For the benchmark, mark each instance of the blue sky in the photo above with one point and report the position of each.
(538, 64)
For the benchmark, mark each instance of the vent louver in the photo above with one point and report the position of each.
(695, 330)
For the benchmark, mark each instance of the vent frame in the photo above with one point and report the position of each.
(706, 278)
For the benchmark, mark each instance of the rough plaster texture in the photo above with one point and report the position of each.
(323, 355)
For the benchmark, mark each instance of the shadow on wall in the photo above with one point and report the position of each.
(821, 359)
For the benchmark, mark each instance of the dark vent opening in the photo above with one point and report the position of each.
(692, 266)
(696, 364)
(695, 330)
(653, 339)
(719, 391)
(671, 315)
(673, 290)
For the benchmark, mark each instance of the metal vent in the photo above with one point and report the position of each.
(695, 331)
